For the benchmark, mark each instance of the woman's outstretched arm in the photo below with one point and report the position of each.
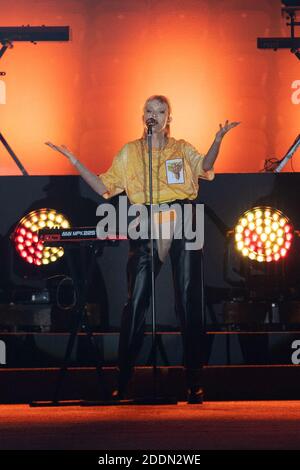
(89, 177)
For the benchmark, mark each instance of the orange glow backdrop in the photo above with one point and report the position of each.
(88, 93)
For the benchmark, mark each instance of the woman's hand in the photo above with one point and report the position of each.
(224, 129)
(213, 151)
(64, 150)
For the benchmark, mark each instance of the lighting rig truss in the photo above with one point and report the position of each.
(290, 8)
(34, 34)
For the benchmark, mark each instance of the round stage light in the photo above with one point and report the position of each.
(26, 239)
(263, 234)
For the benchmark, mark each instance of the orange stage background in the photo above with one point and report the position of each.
(88, 93)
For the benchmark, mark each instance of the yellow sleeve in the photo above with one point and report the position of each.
(114, 177)
(196, 161)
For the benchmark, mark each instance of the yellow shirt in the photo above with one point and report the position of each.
(175, 171)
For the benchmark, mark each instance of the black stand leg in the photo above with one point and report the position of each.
(104, 394)
(63, 370)
(162, 351)
(12, 153)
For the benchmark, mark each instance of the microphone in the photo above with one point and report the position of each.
(151, 122)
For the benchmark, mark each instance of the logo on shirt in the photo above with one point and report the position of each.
(174, 170)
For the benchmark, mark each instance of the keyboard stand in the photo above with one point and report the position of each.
(81, 275)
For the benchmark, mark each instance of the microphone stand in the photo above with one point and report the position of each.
(154, 399)
(153, 297)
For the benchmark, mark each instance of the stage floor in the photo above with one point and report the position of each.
(213, 425)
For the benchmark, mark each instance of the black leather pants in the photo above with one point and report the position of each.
(186, 268)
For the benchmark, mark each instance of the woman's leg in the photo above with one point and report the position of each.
(133, 318)
(187, 273)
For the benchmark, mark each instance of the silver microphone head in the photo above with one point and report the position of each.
(151, 122)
